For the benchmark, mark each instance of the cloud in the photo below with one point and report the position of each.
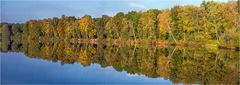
(134, 5)
(134, 75)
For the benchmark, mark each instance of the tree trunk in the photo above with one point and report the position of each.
(170, 32)
(133, 30)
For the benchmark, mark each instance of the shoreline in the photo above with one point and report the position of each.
(157, 43)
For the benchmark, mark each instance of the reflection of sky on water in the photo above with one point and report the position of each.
(17, 68)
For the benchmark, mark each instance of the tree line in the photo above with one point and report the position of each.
(216, 23)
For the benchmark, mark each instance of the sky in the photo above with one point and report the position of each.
(20, 11)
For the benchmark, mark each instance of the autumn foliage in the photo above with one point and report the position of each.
(211, 24)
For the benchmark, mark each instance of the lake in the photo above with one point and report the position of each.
(68, 63)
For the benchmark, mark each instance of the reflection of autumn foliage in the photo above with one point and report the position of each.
(163, 67)
(180, 65)
(83, 58)
(46, 51)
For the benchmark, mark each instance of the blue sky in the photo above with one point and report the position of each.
(19, 11)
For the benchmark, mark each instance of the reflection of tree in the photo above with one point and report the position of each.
(163, 68)
(180, 65)
(204, 67)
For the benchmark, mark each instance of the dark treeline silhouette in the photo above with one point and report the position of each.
(179, 65)
(213, 24)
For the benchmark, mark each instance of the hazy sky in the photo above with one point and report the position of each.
(19, 11)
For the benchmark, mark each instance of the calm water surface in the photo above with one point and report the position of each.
(18, 68)
(90, 63)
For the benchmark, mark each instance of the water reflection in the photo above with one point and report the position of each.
(179, 65)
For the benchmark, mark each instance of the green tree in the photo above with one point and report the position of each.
(100, 26)
(118, 21)
(238, 2)
(110, 29)
(133, 18)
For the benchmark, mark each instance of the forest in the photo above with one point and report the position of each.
(212, 24)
